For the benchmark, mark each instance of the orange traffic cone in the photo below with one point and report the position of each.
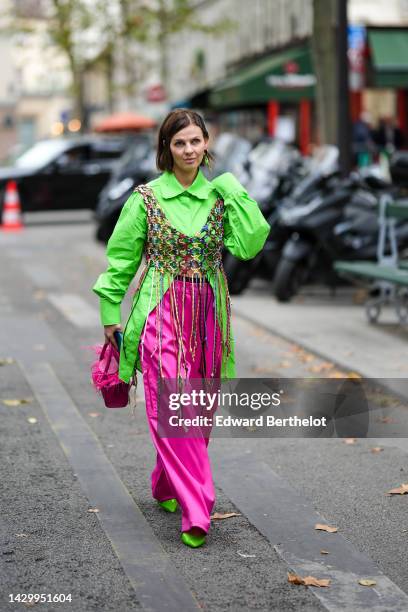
(11, 221)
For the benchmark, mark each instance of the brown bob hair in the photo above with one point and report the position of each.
(176, 120)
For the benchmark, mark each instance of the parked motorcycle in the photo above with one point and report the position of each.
(137, 165)
(340, 223)
(296, 180)
(270, 169)
(230, 152)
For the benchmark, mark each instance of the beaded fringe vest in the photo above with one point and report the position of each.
(171, 252)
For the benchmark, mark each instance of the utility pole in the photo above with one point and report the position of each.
(343, 104)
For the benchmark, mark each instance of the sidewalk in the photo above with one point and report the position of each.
(277, 488)
(334, 328)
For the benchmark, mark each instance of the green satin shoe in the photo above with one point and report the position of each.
(170, 505)
(192, 540)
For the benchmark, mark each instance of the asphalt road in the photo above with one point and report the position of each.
(78, 457)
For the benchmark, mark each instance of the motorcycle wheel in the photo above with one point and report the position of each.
(289, 277)
(238, 273)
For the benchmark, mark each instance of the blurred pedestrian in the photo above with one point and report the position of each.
(388, 135)
(362, 140)
(179, 326)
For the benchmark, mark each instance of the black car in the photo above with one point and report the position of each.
(136, 166)
(63, 173)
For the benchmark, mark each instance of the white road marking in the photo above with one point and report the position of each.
(75, 309)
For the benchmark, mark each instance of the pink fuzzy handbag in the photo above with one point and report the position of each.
(105, 377)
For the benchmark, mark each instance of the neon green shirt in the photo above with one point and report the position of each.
(245, 232)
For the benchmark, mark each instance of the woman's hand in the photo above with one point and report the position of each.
(109, 331)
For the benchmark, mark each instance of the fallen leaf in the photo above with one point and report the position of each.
(263, 370)
(324, 552)
(321, 367)
(21, 535)
(366, 582)
(219, 516)
(402, 490)
(244, 555)
(94, 414)
(349, 440)
(32, 420)
(284, 364)
(376, 449)
(295, 579)
(328, 528)
(306, 357)
(296, 348)
(385, 419)
(355, 375)
(16, 402)
(308, 580)
(319, 582)
(287, 399)
(93, 509)
(379, 398)
(388, 402)
(6, 361)
(315, 369)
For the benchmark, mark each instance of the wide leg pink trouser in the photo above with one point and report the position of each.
(182, 468)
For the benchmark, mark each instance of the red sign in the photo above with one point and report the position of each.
(156, 93)
(291, 68)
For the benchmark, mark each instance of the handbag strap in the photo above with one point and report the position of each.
(109, 359)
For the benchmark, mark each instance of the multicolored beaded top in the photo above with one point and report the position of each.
(171, 253)
(169, 250)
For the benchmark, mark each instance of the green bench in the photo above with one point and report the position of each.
(388, 277)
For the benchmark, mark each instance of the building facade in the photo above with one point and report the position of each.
(262, 32)
(255, 75)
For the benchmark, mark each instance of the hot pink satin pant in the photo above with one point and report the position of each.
(182, 468)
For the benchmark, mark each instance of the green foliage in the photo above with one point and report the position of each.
(89, 32)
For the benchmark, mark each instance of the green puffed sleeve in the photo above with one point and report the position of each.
(124, 252)
(245, 227)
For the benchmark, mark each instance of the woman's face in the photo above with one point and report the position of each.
(187, 148)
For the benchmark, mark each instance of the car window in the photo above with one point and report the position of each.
(41, 154)
(74, 156)
(106, 150)
(136, 151)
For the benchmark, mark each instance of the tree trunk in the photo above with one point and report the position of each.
(162, 42)
(324, 59)
(79, 110)
(124, 46)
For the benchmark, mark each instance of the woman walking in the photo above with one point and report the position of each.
(179, 325)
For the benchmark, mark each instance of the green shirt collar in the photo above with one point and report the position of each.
(171, 188)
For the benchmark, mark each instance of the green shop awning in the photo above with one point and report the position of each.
(283, 76)
(388, 57)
